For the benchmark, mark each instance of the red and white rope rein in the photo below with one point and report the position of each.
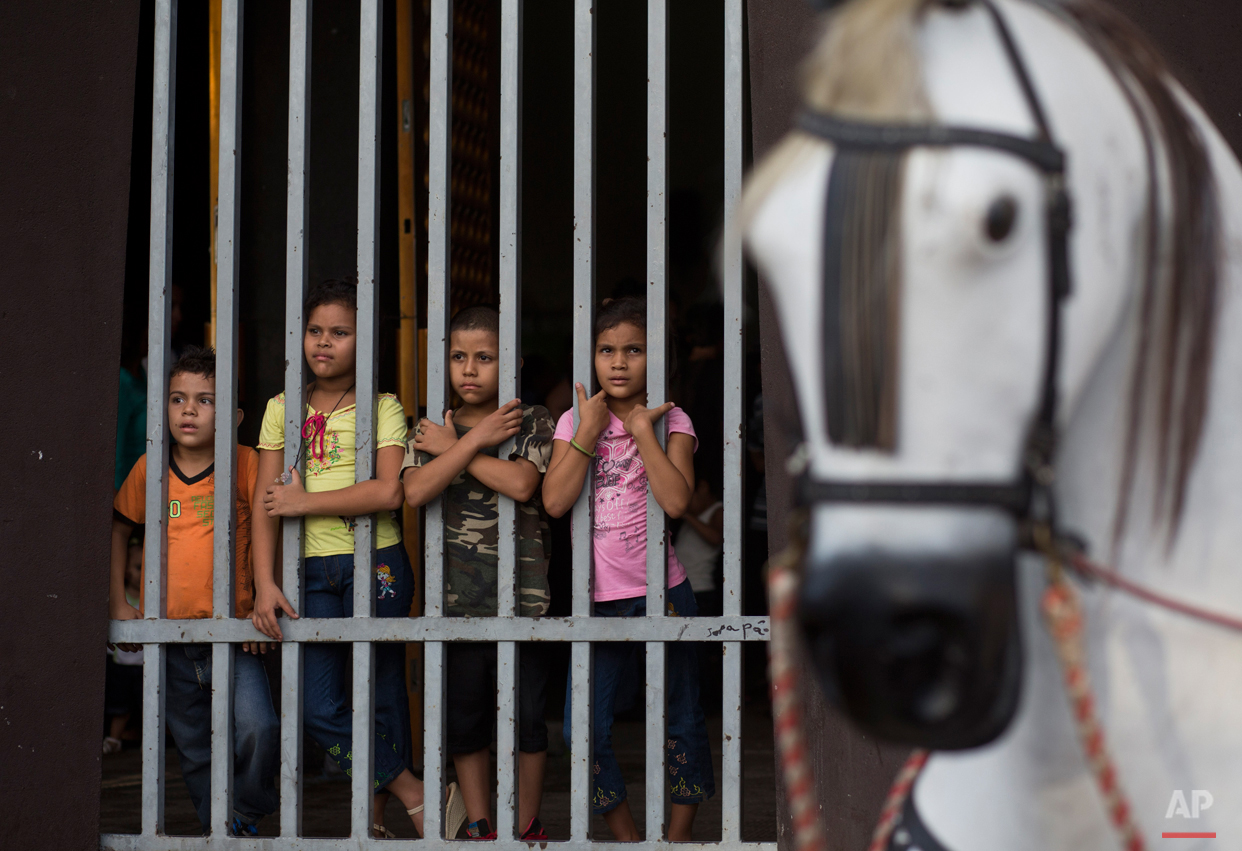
(787, 703)
(1063, 614)
(1062, 611)
(896, 799)
(1109, 577)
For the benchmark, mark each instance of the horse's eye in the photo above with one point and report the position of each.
(1002, 213)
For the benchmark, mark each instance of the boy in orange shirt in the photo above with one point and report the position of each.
(191, 516)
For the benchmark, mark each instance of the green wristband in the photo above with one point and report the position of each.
(575, 445)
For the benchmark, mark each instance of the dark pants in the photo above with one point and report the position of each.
(470, 697)
(688, 759)
(327, 705)
(256, 731)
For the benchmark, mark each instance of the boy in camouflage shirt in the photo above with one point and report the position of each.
(460, 460)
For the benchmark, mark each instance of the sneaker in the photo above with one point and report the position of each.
(534, 832)
(454, 811)
(480, 830)
(111, 745)
(240, 828)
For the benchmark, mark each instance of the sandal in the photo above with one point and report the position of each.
(454, 811)
(381, 832)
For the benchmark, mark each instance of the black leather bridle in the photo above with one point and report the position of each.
(1028, 497)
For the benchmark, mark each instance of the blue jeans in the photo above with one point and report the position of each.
(256, 731)
(326, 708)
(617, 671)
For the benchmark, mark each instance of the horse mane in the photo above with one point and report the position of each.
(866, 67)
(1179, 290)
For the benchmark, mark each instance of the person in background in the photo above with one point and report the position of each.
(699, 544)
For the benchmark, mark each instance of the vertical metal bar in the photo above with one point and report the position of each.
(734, 417)
(655, 775)
(370, 79)
(163, 110)
(153, 679)
(162, 121)
(510, 356)
(581, 777)
(582, 780)
(657, 390)
(225, 518)
(439, 178)
(433, 739)
(510, 272)
(226, 308)
(296, 271)
(506, 739)
(440, 164)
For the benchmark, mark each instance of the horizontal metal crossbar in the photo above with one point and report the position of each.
(135, 842)
(446, 629)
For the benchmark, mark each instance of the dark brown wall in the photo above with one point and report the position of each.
(1200, 41)
(66, 101)
(853, 771)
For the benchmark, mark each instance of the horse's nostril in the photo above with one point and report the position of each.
(928, 665)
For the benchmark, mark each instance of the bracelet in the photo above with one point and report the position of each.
(575, 445)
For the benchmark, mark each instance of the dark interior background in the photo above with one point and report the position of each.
(696, 163)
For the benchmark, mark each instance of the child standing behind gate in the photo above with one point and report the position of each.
(616, 440)
(188, 667)
(459, 459)
(330, 502)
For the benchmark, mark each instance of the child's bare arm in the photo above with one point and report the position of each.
(517, 479)
(264, 534)
(670, 474)
(383, 493)
(454, 454)
(425, 483)
(567, 471)
(119, 607)
(712, 531)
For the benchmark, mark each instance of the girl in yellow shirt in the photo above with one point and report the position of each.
(330, 500)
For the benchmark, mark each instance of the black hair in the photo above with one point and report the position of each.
(479, 318)
(618, 311)
(195, 360)
(342, 291)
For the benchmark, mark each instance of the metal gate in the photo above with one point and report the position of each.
(432, 628)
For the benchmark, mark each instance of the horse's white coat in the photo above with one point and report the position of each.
(1169, 688)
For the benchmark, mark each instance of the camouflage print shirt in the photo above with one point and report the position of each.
(471, 529)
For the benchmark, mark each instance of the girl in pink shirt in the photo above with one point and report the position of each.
(615, 437)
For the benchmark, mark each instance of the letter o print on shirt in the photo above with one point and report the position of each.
(174, 508)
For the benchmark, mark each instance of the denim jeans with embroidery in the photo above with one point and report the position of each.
(617, 678)
(327, 705)
(256, 730)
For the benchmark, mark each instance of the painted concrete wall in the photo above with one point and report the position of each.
(66, 101)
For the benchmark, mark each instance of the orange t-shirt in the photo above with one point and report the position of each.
(191, 522)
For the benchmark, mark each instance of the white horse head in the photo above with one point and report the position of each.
(926, 366)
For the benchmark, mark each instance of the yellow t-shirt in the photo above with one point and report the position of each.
(325, 535)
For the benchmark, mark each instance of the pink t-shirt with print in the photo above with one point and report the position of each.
(620, 529)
